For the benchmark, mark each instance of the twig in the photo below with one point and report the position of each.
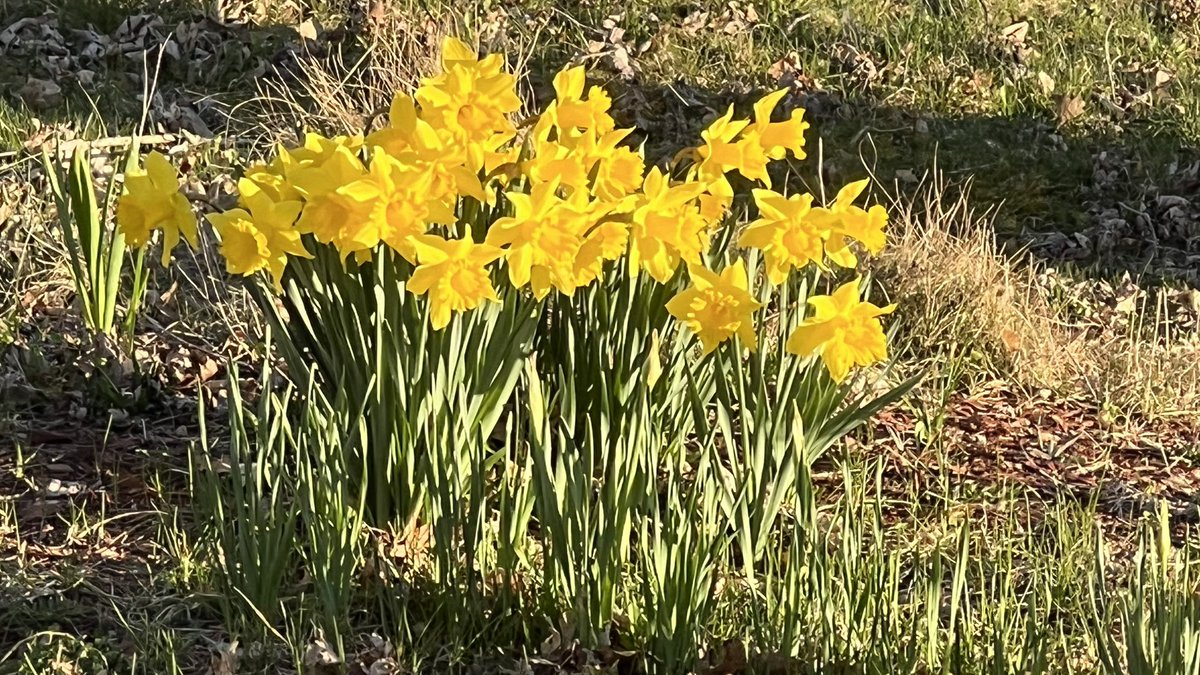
(203, 199)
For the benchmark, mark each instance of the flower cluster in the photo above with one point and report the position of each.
(454, 187)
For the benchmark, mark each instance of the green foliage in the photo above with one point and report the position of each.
(96, 250)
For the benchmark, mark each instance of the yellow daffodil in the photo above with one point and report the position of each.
(401, 200)
(717, 306)
(542, 237)
(731, 145)
(454, 275)
(845, 221)
(331, 215)
(317, 148)
(616, 170)
(458, 54)
(573, 110)
(667, 227)
(471, 98)
(550, 160)
(277, 221)
(844, 330)
(779, 138)
(243, 246)
(606, 236)
(272, 179)
(720, 153)
(406, 131)
(152, 201)
(784, 233)
(262, 236)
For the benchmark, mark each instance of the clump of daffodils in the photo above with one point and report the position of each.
(563, 199)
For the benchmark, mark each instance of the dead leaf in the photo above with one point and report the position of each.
(225, 660)
(1011, 339)
(208, 368)
(1045, 82)
(622, 62)
(1016, 32)
(1127, 305)
(1162, 78)
(320, 655)
(784, 71)
(1069, 108)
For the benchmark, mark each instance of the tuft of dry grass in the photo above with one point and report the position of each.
(959, 296)
(341, 90)
(964, 303)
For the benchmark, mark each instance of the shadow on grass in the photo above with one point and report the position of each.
(1102, 202)
(84, 64)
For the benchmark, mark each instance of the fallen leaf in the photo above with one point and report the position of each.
(320, 655)
(784, 70)
(1069, 108)
(622, 62)
(1011, 339)
(307, 30)
(1045, 82)
(225, 660)
(1016, 32)
(208, 368)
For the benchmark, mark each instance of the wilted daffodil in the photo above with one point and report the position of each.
(453, 272)
(785, 233)
(844, 330)
(845, 221)
(717, 306)
(152, 201)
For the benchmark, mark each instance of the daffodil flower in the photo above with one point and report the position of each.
(779, 138)
(573, 110)
(543, 238)
(666, 227)
(453, 273)
(846, 222)
(785, 233)
(717, 306)
(331, 216)
(719, 152)
(472, 98)
(152, 201)
(843, 330)
(261, 236)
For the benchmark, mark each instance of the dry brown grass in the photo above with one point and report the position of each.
(966, 303)
(960, 297)
(336, 93)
